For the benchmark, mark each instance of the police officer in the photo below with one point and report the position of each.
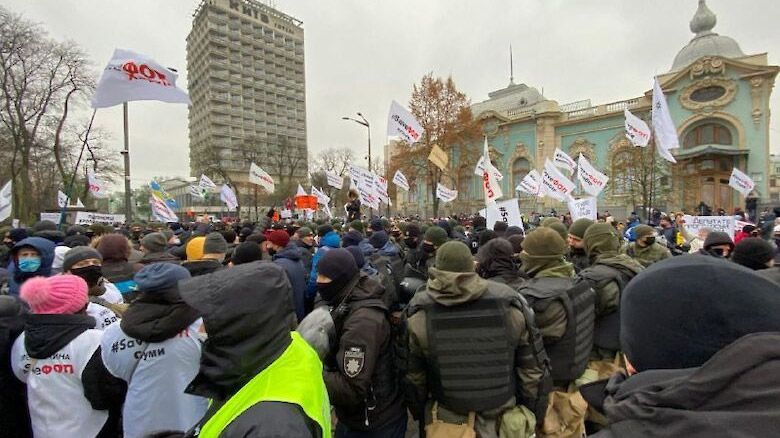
(495, 261)
(433, 238)
(471, 348)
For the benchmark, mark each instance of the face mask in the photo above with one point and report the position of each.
(649, 241)
(90, 274)
(29, 264)
(411, 242)
(428, 248)
(271, 252)
(328, 291)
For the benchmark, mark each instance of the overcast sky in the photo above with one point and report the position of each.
(361, 54)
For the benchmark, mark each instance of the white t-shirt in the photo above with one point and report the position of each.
(112, 294)
(104, 316)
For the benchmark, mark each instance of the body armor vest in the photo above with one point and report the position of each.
(607, 329)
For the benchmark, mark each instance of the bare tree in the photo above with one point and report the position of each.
(636, 173)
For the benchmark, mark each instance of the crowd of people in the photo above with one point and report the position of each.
(390, 327)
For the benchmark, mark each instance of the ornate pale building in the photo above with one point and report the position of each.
(719, 100)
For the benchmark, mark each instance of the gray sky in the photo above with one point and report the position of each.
(361, 54)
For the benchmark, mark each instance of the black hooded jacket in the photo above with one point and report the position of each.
(157, 316)
(14, 417)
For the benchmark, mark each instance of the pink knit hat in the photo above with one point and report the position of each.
(61, 294)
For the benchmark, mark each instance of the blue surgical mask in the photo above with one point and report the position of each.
(29, 264)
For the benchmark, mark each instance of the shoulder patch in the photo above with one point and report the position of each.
(354, 359)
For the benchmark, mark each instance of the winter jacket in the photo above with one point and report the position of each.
(156, 350)
(102, 315)
(289, 258)
(359, 370)
(14, 417)
(44, 247)
(121, 273)
(579, 258)
(771, 273)
(70, 392)
(648, 255)
(353, 210)
(736, 393)
(307, 253)
(159, 257)
(202, 267)
(330, 240)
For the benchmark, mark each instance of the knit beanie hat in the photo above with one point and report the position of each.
(154, 242)
(322, 230)
(642, 231)
(753, 253)
(559, 228)
(680, 311)
(478, 222)
(76, 240)
(78, 254)
(44, 226)
(158, 276)
(60, 294)
(360, 259)
(445, 225)
(454, 256)
(378, 239)
(246, 252)
(500, 227)
(517, 242)
(717, 238)
(601, 238)
(279, 238)
(496, 258)
(337, 264)
(486, 236)
(357, 225)
(215, 244)
(512, 231)
(577, 229)
(304, 232)
(436, 235)
(352, 238)
(377, 225)
(195, 248)
(75, 230)
(18, 234)
(412, 230)
(543, 249)
(549, 220)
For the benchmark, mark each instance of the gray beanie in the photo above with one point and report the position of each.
(154, 242)
(215, 244)
(78, 254)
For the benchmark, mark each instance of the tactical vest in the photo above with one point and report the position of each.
(607, 330)
(569, 354)
(471, 350)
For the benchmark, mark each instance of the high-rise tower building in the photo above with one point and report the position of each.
(245, 66)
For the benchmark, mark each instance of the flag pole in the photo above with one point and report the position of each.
(75, 169)
(126, 154)
(652, 180)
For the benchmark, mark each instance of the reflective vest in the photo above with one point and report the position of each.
(295, 377)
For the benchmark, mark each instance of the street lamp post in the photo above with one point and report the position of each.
(365, 123)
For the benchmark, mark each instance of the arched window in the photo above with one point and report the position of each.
(520, 169)
(708, 133)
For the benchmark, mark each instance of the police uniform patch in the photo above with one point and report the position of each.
(354, 358)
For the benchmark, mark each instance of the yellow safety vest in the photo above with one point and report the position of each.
(295, 377)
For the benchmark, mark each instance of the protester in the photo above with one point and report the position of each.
(645, 249)
(478, 225)
(30, 257)
(304, 238)
(353, 206)
(433, 238)
(253, 358)
(156, 350)
(14, 416)
(205, 254)
(70, 392)
(329, 240)
(288, 255)
(754, 253)
(155, 249)
(106, 304)
(717, 244)
(577, 254)
(246, 252)
(495, 261)
(115, 249)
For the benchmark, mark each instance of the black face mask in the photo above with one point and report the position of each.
(90, 274)
(649, 241)
(329, 291)
(428, 248)
(411, 242)
(271, 252)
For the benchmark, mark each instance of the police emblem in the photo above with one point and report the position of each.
(354, 358)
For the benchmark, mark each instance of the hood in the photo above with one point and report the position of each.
(291, 252)
(389, 249)
(47, 334)
(452, 288)
(157, 316)
(54, 236)
(366, 288)
(154, 257)
(202, 267)
(44, 247)
(621, 262)
(331, 240)
(737, 390)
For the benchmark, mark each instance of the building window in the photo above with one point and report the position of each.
(520, 169)
(710, 133)
(622, 171)
(465, 182)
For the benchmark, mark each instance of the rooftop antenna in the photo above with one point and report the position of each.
(511, 67)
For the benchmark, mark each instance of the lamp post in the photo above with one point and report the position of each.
(365, 123)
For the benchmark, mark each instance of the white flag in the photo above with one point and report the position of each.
(334, 180)
(62, 199)
(481, 168)
(206, 182)
(489, 184)
(401, 123)
(445, 194)
(197, 192)
(564, 161)
(555, 184)
(260, 177)
(637, 131)
(663, 127)
(380, 188)
(400, 180)
(531, 184)
(505, 211)
(6, 201)
(322, 198)
(227, 196)
(591, 179)
(300, 191)
(96, 187)
(79, 204)
(161, 211)
(741, 182)
(133, 76)
(583, 208)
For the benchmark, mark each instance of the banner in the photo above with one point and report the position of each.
(481, 168)
(564, 161)
(161, 211)
(285, 214)
(51, 217)
(62, 199)
(554, 183)
(334, 180)
(85, 218)
(740, 182)
(380, 188)
(445, 194)
(206, 182)
(531, 184)
(726, 224)
(322, 198)
(591, 179)
(663, 127)
(438, 157)
(507, 211)
(6, 201)
(227, 196)
(96, 187)
(401, 123)
(159, 192)
(261, 178)
(583, 208)
(637, 131)
(400, 180)
(198, 192)
(363, 180)
(133, 76)
(489, 184)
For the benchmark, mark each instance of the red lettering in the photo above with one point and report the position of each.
(131, 69)
(46, 369)
(146, 71)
